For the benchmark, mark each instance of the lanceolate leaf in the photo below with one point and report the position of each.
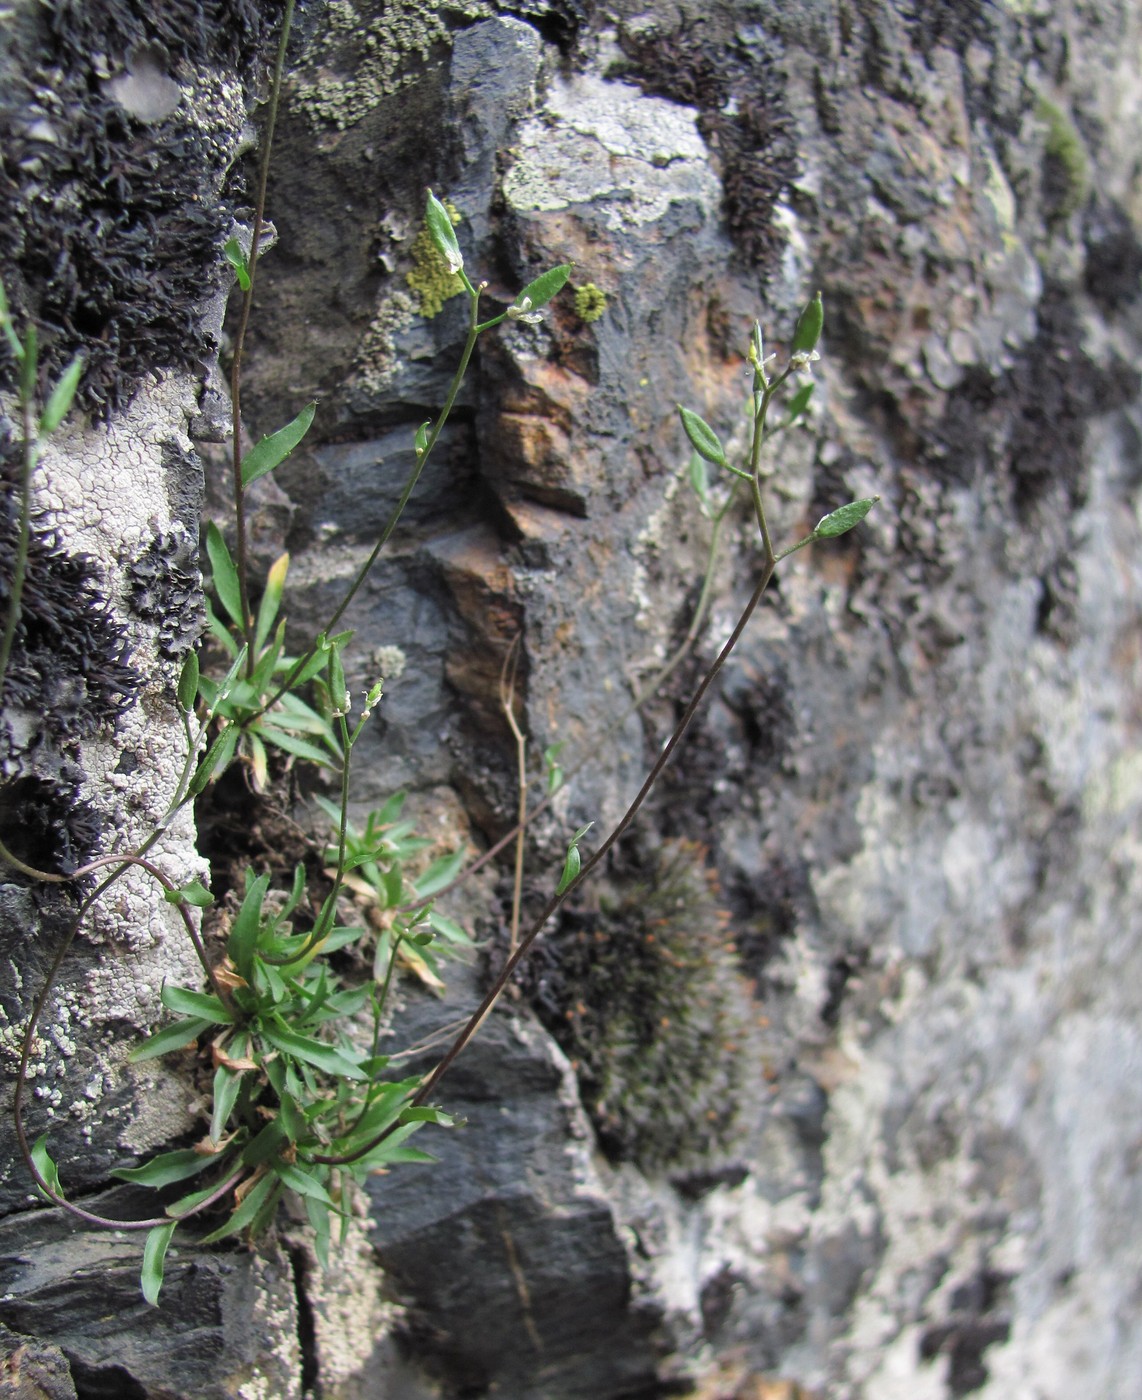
(154, 1253)
(837, 522)
(236, 257)
(188, 1003)
(169, 1038)
(439, 223)
(224, 573)
(313, 1052)
(274, 449)
(547, 285)
(61, 397)
(252, 1203)
(807, 332)
(167, 1168)
(702, 437)
(45, 1165)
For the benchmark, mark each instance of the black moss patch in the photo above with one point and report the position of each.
(640, 994)
(559, 21)
(1113, 275)
(979, 1319)
(109, 238)
(740, 97)
(1031, 421)
(766, 912)
(69, 671)
(166, 588)
(46, 825)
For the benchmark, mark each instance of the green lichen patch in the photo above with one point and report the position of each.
(369, 52)
(590, 302)
(1066, 166)
(645, 997)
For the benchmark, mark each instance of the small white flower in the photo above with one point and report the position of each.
(803, 360)
(523, 312)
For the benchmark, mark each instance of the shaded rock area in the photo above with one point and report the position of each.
(911, 807)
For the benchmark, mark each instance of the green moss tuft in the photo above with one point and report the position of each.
(1066, 167)
(430, 277)
(646, 999)
(590, 302)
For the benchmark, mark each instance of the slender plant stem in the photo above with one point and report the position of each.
(507, 704)
(241, 561)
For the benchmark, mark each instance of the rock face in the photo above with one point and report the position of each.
(911, 808)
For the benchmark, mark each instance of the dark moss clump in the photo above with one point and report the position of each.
(109, 229)
(1032, 420)
(69, 671)
(643, 994)
(45, 824)
(166, 588)
(740, 97)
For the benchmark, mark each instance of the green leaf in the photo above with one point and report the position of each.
(236, 256)
(313, 1052)
(245, 928)
(227, 1086)
(154, 1252)
(264, 1144)
(201, 1004)
(571, 867)
(14, 341)
(61, 397)
(837, 522)
(420, 442)
(700, 479)
(443, 234)
(448, 928)
(316, 662)
(30, 363)
(439, 874)
(258, 1195)
(303, 1183)
(166, 1168)
(274, 449)
(188, 681)
(290, 743)
(225, 575)
(545, 286)
(573, 863)
(807, 332)
(217, 758)
(194, 893)
(169, 1038)
(271, 600)
(45, 1166)
(702, 437)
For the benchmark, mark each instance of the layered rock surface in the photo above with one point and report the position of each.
(916, 792)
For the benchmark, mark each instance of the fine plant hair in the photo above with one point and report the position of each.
(297, 1103)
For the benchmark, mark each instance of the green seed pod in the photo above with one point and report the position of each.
(808, 329)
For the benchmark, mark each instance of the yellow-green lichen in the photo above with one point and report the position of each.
(590, 302)
(1066, 167)
(366, 53)
(430, 276)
